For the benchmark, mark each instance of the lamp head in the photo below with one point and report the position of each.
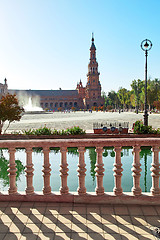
(146, 45)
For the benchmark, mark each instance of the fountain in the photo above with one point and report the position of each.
(30, 108)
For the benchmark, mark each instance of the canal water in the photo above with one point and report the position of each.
(72, 160)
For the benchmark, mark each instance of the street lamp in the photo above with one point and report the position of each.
(146, 45)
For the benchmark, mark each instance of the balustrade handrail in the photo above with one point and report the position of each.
(81, 144)
(109, 142)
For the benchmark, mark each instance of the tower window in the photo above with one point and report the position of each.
(93, 55)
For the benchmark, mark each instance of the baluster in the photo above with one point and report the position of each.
(81, 170)
(117, 171)
(155, 190)
(46, 170)
(136, 171)
(29, 172)
(12, 171)
(64, 171)
(99, 171)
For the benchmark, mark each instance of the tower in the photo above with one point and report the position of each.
(93, 86)
(81, 89)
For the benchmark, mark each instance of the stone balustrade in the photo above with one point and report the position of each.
(117, 196)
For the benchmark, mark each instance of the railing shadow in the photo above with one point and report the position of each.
(76, 221)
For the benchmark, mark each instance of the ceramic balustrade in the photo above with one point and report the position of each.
(81, 144)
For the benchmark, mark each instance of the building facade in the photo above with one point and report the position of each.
(3, 88)
(81, 98)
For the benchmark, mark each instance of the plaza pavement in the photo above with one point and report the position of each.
(44, 221)
(85, 120)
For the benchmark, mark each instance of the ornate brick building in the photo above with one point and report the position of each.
(81, 98)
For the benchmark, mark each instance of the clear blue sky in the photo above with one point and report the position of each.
(44, 44)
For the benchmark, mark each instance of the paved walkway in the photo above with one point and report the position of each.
(84, 120)
(77, 221)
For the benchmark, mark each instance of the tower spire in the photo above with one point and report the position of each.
(92, 37)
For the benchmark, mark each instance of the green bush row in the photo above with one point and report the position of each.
(76, 130)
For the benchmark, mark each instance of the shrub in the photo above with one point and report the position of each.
(60, 109)
(109, 107)
(43, 131)
(76, 130)
(139, 128)
(73, 109)
(94, 108)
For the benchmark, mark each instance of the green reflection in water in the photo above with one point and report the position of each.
(145, 152)
(4, 166)
(93, 158)
(108, 153)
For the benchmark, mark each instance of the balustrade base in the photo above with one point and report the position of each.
(89, 198)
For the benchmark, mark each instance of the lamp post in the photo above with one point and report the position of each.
(146, 45)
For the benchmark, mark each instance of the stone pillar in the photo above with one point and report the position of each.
(12, 172)
(64, 171)
(29, 171)
(117, 171)
(81, 170)
(46, 170)
(155, 190)
(136, 171)
(99, 171)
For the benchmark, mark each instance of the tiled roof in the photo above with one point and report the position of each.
(42, 93)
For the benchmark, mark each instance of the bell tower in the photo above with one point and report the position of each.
(93, 86)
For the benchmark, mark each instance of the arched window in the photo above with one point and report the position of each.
(46, 105)
(75, 104)
(51, 105)
(70, 104)
(94, 104)
(61, 104)
(65, 104)
(56, 104)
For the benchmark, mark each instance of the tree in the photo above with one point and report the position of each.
(9, 110)
(112, 99)
(156, 82)
(156, 104)
(137, 86)
(105, 99)
(123, 96)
